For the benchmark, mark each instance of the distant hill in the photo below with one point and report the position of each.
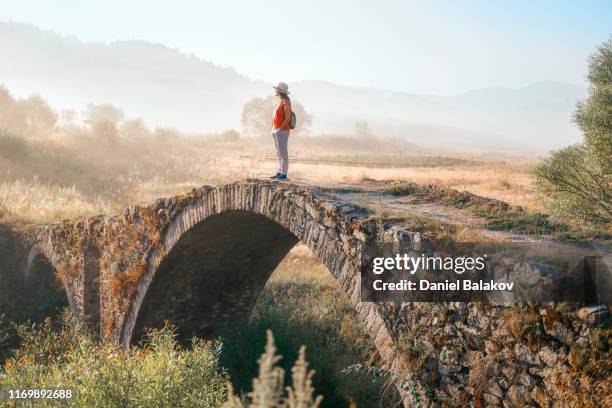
(169, 88)
(536, 117)
(160, 84)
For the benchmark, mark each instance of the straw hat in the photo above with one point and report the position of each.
(282, 87)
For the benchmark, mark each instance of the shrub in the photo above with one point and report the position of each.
(63, 355)
(574, 186)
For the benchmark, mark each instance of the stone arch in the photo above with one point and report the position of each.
(236, 251)
(334, 231)
(41, 287)
(280, 211)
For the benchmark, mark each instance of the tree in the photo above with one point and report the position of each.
(11, 118)
(362, 129)
(256, 118)
(104, 111)
(30, 116)
(134, 129)
(594, 116)
(106, 130)
(68, 115)
(39, 117)
(13, 147)
(576, 181)
(104, 120)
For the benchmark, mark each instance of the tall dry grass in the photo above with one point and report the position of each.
(34, 201)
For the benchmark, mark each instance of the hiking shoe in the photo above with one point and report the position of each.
(282, 177)
(275, 176)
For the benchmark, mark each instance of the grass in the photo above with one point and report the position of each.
(35, 201)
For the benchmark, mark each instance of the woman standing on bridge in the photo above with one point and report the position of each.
(281, 126)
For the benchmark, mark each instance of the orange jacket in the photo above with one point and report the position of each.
(279, 115)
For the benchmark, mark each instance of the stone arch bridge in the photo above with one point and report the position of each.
(201, 259)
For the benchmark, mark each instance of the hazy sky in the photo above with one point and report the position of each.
(442, 47)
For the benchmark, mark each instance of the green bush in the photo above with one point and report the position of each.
(573, 186)
(63, 355)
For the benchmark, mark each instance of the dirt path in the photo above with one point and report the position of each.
(365, 195)
(394, 205)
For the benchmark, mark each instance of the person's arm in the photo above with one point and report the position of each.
(287, 109)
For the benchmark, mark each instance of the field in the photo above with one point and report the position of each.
(71, 175)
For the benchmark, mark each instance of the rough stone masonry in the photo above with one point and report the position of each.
(200, 260)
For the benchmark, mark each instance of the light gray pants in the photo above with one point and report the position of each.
(281, 140)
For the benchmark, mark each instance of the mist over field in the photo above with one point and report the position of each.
(166, 87)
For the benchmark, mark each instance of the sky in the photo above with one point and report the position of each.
(428, 47)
